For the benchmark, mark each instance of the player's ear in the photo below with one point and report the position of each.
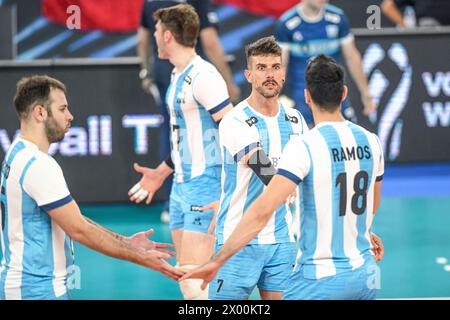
(344, 93)
(248, 75)
(307, 97)
(39, 112)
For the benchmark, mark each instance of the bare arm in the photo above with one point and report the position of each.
(391, 11)
(143, 47)
(377, 196)
(219, 115)
(70, 219)
(285, 55)
(214, 51)
(256, 217)
(354, 63)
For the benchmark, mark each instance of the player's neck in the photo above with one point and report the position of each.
(183, 58)
(323, 116)
(35, 137)
(310, 12)
(266, 106)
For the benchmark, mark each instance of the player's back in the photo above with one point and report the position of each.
(345, 160)
(193, 96)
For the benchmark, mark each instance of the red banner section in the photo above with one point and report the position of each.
(262, 7)
(106, 15)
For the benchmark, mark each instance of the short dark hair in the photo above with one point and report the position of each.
(325, 82)
(183, 21)
(35, 90)
(262, 47)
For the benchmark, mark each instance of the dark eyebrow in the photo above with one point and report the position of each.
(261, 65)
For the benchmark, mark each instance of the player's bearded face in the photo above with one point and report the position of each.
(59, 117)
(53, 130)
(269, 88)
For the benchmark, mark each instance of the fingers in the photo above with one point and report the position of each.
(163, 245)
(204, 285)
(172, 253)
(149, 198)
(138, 194)
(149, 233)
(207, 207)
(187, 275)
(135, 188)
(172, 270)
(138, 168)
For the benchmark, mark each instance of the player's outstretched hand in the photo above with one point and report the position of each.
(154, 259)
(141, 240)
(146, 188)
(377, 247)
(207, 272)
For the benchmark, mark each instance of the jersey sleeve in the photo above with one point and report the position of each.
(282, 34)
(345, 34)
(210, 91)
(238, 137)
(295, 162)
(45, 183)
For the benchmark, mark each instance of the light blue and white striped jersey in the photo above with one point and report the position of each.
(193, 96)
(36, 251)
(241, 130)
(336, 165)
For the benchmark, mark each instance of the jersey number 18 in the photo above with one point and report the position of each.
(360, 192)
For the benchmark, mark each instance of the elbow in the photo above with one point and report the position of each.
(78, 233)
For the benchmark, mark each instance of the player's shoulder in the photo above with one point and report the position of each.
(289, 14)
(291, 18)
(237, 115)
(201, 65)
(203, 70)
(333, 14)
(45, 163)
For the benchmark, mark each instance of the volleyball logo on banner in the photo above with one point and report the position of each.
(388, 117)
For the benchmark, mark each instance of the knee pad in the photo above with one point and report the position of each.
(190, 288)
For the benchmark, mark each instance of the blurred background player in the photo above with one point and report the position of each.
(197, 99)
(425, 13)
(40, 217)
(345, 163)
(252, 137)
(315, 27)
(155, 72)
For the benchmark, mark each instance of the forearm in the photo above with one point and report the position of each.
(251, 224)
(143, 49)
(393, 13)
(354, 63)
(164, 170)
(110, 232)
(109, 243)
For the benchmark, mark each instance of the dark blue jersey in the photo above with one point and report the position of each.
(306, 38)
